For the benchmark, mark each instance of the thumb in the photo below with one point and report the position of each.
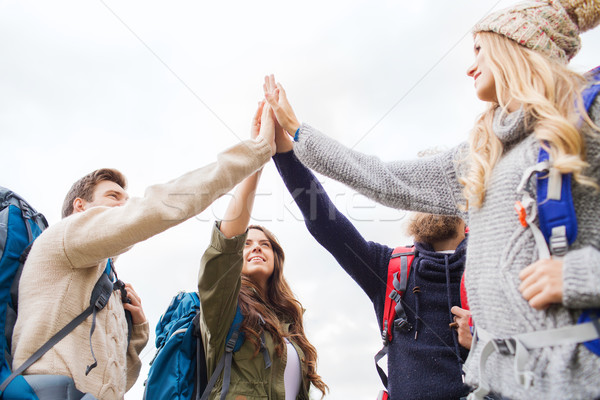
(281, 91)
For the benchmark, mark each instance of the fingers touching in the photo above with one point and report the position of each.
(276, 97)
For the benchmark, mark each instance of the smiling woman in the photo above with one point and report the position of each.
(243, 266)
(259, 256)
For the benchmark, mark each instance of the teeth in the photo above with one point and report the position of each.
(256, 258)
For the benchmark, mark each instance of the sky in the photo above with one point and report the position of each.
(156, 89)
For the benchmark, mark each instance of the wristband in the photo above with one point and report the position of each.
(296, 135)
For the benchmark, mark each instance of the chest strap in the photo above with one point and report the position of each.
(518, 346)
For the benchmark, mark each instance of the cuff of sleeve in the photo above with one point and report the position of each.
(264, 149)
(301, 133)
(141, 329)
(140, 334)
(581, 279)
(224, 244)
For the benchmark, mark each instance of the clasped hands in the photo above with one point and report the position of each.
(275, 119)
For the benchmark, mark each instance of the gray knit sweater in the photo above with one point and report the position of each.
(499, 247)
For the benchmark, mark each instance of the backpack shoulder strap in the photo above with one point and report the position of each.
(397, 281)
(590, 93)
(235, 339)
(100, 296)
(557, 218)
(394, 316)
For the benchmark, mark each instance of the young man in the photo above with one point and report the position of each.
(99, 223)
(424, 362)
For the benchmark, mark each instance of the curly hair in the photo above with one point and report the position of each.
(266, 312)
(432, 228)
(550, 95)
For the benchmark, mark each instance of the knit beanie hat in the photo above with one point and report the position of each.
(551, 27)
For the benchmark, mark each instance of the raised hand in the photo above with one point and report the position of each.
(283, 142)
(277, 99)
(255, 129)
(266, 125)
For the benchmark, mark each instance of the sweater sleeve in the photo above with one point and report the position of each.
(103, 232)
(581, 278)
(219, 284)
(139, 339)
(427, 184)
(366, 262)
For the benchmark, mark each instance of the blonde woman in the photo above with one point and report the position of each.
(520, 70)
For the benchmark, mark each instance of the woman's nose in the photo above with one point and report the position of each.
(471, 70)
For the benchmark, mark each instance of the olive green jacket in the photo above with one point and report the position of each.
(219, 282)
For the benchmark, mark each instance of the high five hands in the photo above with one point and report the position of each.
(263, 124)
(286, 119)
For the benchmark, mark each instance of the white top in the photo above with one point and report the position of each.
(292, 376)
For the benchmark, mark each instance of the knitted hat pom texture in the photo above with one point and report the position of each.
(584, 13)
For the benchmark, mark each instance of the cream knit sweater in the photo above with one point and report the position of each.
(69, 257)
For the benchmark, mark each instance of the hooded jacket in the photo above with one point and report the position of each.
(426, 362)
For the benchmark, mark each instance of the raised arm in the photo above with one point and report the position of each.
(237, 216)
(427, 185)
(219, 278)
(165, 205)
(366, 262)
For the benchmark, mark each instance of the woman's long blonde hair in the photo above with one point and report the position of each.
(266, 312)
(550, 95)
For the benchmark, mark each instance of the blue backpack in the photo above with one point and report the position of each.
(178, 370)
(556, 212)
(20, 225)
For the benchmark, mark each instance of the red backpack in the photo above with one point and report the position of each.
(394, 316)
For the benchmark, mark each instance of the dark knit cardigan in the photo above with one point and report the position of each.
(425, 363)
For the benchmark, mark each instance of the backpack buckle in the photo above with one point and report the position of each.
(522, 213)
(558, 241)
(402, 325)
(506, 347)
(384, 334)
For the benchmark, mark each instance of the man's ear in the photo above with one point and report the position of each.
(78, 205)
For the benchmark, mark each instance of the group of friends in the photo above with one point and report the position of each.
(534, 100)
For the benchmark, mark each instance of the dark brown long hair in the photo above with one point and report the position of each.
(275, 307)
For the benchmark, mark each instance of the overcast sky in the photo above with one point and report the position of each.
(158, 88)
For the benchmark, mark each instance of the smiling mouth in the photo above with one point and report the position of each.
(256, 258)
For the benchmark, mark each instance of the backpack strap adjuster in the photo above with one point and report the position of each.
(384, 334)
(558, 241)
(402, 325)
(506, 347)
